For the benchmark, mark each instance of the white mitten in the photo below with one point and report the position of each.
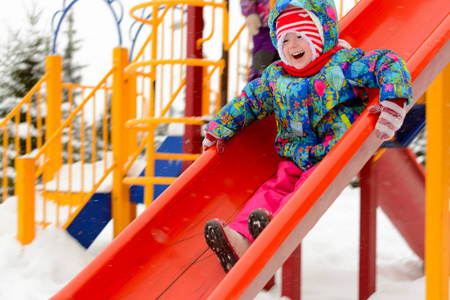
(211, 140)
(392, 113)
(253, 22)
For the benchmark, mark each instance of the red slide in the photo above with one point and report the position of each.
(162, 254)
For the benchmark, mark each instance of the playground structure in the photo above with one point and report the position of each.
(153, 242)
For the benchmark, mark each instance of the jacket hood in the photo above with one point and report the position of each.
(324, 10)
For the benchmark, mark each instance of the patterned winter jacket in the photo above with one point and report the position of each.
(313, 113)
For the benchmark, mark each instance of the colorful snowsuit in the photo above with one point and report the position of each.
(312, 113)
(263, 52)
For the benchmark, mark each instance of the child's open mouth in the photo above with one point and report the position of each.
(298, 55)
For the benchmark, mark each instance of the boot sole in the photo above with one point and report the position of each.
(257, 221)
(218, 243)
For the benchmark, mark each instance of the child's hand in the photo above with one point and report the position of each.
(392, 113)
(211, 140)
(253, 22)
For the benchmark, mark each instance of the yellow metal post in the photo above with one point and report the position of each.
(54, 116)
(25, 196)
(130, 113)
(131, 143)
(120, 192)
(150, 167)
(437, 231)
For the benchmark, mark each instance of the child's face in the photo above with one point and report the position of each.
(297, 50)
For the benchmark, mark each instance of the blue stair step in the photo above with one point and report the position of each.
(163, 168)
(92, 219)
(96, 214)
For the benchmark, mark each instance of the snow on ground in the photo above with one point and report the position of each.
(330, 250)
(329, 258)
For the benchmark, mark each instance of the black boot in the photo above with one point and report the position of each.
(258, 220)
(218, 242)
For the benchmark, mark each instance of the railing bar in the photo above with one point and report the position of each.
(58, 198)
(5, 163)
(89, 195)
(94, 138)
(173, 97)
(105, 131)
(39, 120)
(148, 180)
(70, 118)
(146, 121)
(172, 37)
(70, 151)
(235, 38)
(28, 120)
(25, 99)
(136, 154)
(177, 156)
(17, 137)
(80, 86)
(82, 152)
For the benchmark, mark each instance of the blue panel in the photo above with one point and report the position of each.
(91, 220)
(414, 123)
(96, 214)
(164, 168)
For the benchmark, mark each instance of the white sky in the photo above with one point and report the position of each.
(95, 28)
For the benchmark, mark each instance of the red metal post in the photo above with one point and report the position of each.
(367, 247)
(192, 137)
(403, 180)
(291, 276)
(269, 284)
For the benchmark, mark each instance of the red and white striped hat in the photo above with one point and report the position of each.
(299, 20)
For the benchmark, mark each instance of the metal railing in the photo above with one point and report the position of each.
(160, 69)
(53, 184)
(145, 92)
(16, 132)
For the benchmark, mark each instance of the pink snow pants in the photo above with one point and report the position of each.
(272, 194)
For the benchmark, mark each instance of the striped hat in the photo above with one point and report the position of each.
(305, 24)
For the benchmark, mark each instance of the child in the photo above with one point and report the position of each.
(256, 14)
(316, 92)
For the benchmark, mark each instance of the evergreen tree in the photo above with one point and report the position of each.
(71, 74)
(71, 70)
(22, 62)
(22, 65)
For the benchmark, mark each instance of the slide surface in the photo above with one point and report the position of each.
(162, 254)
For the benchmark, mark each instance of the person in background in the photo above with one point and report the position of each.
(256, 14)
(316, 91)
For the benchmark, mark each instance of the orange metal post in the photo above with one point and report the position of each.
(120, 191)
(54, 115)
(131, 139)
(437, 235)
(130, 113)
(25, 195)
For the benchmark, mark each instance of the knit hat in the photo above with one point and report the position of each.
(303, 23)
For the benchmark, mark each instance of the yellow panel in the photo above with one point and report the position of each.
(437, 233)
